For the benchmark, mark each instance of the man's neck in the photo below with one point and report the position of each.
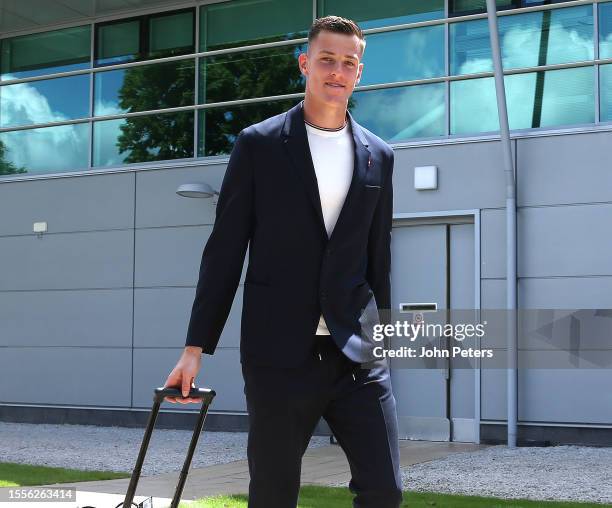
(322, 115)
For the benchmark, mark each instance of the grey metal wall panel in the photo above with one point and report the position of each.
(66, 318)
(462, 266)
(469, 176)
(102, 259)
(573, 395)
(461, 392)
(551, 395)
(172, 256)
(162, 316)
(221, 372)
(564, 169)
(493, 393)
(158, 204)
(552, 241)
(566, 293)
(66, 376)
(169, 256)
(80, 203)
(461, 297)
(565, 240)
(493, 244)
(493, 293)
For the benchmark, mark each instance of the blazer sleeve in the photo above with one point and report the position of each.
(379, 246)
(224, 252)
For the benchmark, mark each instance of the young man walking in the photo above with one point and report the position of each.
(310, 193)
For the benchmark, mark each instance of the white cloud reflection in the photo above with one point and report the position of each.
(51, 149)
(568, 93)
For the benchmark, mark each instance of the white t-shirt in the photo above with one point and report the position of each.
(333, 158)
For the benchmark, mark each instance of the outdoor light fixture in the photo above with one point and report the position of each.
(196, 190)
(425, 177)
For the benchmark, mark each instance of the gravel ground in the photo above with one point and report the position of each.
(572, 473)
(562, 473)
(116, 448)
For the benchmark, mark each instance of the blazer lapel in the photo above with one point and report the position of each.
(295, 139)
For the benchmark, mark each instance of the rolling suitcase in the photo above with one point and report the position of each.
(206, 395)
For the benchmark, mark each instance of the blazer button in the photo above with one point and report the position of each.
(323, 295)
(328, 252)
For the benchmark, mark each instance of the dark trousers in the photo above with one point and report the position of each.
(285, 405)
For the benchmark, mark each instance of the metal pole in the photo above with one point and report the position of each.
(511, 301)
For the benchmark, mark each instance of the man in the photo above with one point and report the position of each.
(310, 192)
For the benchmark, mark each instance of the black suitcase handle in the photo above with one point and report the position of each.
(206, 395)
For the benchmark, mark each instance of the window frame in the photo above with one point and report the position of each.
(144, 49)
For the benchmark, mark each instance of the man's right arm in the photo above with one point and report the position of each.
(223, 255)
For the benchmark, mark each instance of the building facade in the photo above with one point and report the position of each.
(108, 107)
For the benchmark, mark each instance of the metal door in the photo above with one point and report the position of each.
(433, 267)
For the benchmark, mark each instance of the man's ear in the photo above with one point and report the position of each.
(359, 73)
(302, 61)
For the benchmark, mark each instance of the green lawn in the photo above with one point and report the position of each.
(16, 475)
(330, 497)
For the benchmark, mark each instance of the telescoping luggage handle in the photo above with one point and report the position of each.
(206, 395)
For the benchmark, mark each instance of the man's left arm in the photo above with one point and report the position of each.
(379, 243)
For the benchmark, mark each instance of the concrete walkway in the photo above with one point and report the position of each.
(320, 466)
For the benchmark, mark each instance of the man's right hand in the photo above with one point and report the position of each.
(184, 374)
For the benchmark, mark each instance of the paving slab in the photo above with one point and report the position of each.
(326, 465)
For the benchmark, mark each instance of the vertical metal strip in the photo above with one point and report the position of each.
(596, 69)
(447, 361)
(135, 181)
(92, 75)
(196, 92)
(447, 83)
(477, 306)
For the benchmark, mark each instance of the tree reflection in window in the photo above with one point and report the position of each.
(248, 74)
(6, 166)
(151, 137)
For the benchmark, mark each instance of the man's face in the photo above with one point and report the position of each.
(332, 66)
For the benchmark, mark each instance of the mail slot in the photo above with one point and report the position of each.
(418, 307)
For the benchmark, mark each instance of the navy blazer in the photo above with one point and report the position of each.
(269, 201)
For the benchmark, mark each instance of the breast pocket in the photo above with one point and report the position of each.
(371, 194)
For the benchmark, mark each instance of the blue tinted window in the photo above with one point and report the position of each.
(463, 7)
(244, 22)
(542, 99)
(397, 114)
(45, 53)
(143, 138)
(473, 107)
(144, 37)
(403, 55)
(248, 74)
(527, 40)
(219, 126)
(44, 101)
(383, 12)
(605, 87)
(605, 30)
(145, 87)
(45, 150)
